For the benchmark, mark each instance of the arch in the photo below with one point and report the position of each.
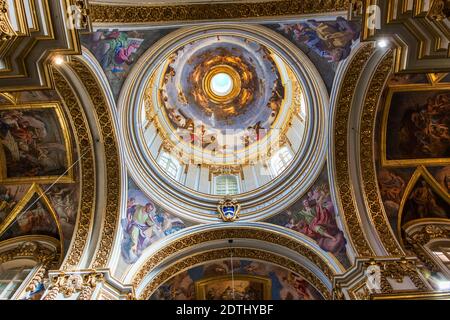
(272, 239)
(353, 121)
(82, 85)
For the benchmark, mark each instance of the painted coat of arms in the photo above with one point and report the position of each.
(229, 209)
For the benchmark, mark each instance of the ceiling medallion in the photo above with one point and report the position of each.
(229, 209)
(222, 84)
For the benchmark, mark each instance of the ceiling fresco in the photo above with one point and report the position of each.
(143, 224)
(39, 189)
(233, 122)
(326, 42)
(165, 153)
(413, 131)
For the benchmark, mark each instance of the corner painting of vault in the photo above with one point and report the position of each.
(32, 143)
(34, 219)
(144, 223)
(326, 42)
(413, 139)
(117, 51)
(314, 215)
(253, 280)
(39, 191)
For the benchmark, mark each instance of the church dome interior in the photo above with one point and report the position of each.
(224, 150)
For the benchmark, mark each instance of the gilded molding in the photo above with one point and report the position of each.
(101, 13)
(87, 168)
(374, 204)
(112, 161)
(238, 233)
(343, 181)
(203, 257)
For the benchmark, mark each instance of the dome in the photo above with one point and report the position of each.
(223, 100)
(222, 113)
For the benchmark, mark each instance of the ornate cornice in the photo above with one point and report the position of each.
(112, 161)
(87, 165)
(235, 233)
(101, 13)
(32, 250)
(374, 204)
(261, 255)
(343, 180)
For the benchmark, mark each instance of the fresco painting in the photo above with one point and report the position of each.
(10, 195)
(418, 125)
(144, 223)
(314, 215)
(392, 184)
(442, 176)
(326, 43)
(64, 199)
(34, 219)
(424, 202)
(331, 40)
(236, 288)
(284, 285)
(33, 143)
(117, 51)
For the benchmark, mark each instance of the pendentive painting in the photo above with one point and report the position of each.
(418, 125)
(35, 218)
(253, 280)
(144, 223)
(64, 199)
(117, 51)
(314, 215)
(9, 197)
(32, 143)
(325, 42)
(424, 202)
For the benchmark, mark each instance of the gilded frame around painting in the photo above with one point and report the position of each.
(68, 177)
(385, 116)
(421, 172)
(202, 285)
(20, 206)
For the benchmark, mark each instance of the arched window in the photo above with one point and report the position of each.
(280, 160)
(11, 279)
(226, 184)
(170, 165)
